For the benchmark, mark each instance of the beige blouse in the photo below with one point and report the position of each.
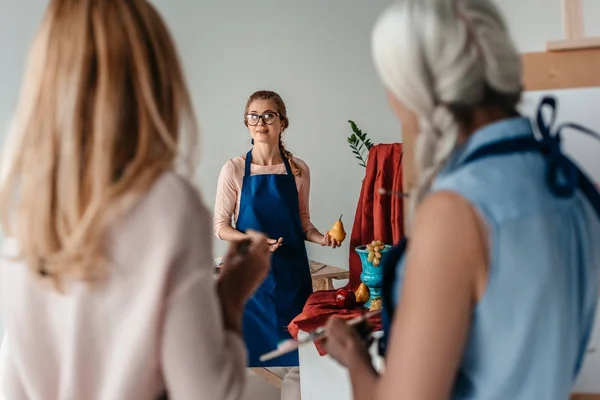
(229, 190)
(155, 323)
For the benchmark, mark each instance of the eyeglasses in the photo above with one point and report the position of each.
(268, 118)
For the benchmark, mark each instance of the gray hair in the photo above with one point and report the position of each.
(439, 55)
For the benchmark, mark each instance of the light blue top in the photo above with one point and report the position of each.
(530, 330)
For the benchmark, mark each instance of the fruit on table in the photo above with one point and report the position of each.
(362, 293)
(337, 232)
(374, 248)
(345, 299)
(375, 304)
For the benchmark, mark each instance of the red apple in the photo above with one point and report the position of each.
(345, 299)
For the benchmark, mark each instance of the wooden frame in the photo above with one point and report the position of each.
(574, 30)
(571, 63)
(585, 397)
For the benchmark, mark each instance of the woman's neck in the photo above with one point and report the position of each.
(267, 155)
(481, 118)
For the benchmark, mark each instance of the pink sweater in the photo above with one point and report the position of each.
(155, 323)
(229, 190)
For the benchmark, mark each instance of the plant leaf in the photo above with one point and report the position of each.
(359, 143)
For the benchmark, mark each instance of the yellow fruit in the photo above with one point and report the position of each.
(337, 232)
(375, 262)
(362, 293)
(375, 304)
(377, 255)
(371, 256)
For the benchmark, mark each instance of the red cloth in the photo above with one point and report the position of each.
(319, 307)
(378, 217)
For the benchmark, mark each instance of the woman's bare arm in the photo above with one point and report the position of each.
(444, 264)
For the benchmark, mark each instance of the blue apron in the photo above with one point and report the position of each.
(269, 204)
(562, 175)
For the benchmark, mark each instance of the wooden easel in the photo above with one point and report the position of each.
(571, 63)
(574, 30)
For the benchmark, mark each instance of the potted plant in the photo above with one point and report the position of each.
(360, 144)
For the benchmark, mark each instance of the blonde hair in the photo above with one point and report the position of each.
(282, 111)
(443, 58)
(101, 114)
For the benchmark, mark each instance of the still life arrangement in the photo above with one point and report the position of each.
(368, 294)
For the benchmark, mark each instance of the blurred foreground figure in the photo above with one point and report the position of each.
(106, 276)
(495, 296)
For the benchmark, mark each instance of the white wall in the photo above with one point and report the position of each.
(316, 54)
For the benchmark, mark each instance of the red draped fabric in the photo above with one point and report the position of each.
(378, 217)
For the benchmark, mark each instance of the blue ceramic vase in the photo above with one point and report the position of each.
(372, 276)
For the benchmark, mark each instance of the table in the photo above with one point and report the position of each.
(323, 275)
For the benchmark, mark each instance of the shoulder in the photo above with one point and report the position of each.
(174, 226)
(302, 165)
(234, 165)
(445, 211)
(167, 220)
(449, 223)
(173, 201)
(232, 170)
(498, 186)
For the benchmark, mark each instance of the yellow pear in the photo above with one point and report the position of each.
(337, 232)
(362, 293)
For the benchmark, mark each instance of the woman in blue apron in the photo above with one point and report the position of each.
(496, 295)
(268, 191)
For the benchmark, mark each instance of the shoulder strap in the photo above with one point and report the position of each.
(562, 174)
(286, 162)
(248, 163)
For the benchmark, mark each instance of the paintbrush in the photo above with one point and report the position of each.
(386, 192)
(290, 345)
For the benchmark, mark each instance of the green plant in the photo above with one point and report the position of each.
(360, 144)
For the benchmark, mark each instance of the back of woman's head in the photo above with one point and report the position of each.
(101, 114)
(443, 59)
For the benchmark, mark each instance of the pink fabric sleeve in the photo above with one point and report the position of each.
(200, 359)
(304, 198)
(226, 198)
